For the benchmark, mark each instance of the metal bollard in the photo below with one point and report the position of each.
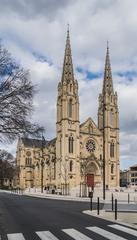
(112, 202)
(115, 209)
(128, 198)
(91, 203)
(98, 206)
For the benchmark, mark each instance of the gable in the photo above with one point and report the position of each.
(89, 127)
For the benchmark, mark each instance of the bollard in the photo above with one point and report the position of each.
(115, 209)
(98, 206)
(128, 198)
(91, 203)
(112, 202)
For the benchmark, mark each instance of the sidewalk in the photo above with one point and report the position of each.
(125, 218)
(57, 197)
(121, 197)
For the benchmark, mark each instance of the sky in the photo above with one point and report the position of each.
(35, 34)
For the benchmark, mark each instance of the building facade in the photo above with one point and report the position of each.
(80, 153)
(128, 177)
(124, 178)
(133, 175)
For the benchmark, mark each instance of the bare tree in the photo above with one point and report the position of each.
(7, 166)
(6, 156)
(16, 95)
(65, 176)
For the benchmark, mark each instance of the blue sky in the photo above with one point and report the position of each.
(35, 34)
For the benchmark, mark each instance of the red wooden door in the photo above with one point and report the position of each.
(90, 180)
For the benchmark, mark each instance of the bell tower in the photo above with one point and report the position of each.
(67, 126)
(108, 123)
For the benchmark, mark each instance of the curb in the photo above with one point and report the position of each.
(93, 213)
(57, 198)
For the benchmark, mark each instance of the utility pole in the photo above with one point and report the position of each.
(104, 180)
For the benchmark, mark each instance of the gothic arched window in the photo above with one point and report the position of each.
(54, 170)
(111, 118)
(70, 108)
(70, 87)
(112, 168)
(60, 145)
(71, 166)
(61, 109)
(28, 161)
(71, 144)
(112, 149)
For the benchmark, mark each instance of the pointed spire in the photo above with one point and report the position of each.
(107, 83)
(67, 73)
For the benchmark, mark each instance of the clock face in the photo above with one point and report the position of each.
(90, 145)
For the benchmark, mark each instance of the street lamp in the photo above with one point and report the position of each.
(42, 161)
(104, 180)
(83, 175)
(101, 163)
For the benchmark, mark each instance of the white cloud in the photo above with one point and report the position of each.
(40, 27)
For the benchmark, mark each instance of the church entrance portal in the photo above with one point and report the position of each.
(90, 180)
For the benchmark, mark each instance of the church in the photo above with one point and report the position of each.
(81, 154)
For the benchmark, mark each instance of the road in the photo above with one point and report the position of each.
(29, 218)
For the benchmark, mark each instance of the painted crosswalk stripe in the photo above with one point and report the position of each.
(124, 229)
(15, 236)
(76, 234)
(46, 235)
(104, 233)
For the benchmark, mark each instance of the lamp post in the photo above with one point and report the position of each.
(84, 175)
(101, 162)
(104, 180)
(42, 161)
(39, 157)
(104, 194)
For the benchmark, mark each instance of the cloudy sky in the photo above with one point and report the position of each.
(34, 31)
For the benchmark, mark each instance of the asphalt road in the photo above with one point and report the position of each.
(28, 215)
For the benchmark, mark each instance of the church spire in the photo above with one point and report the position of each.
(67, 74)
(107, 83)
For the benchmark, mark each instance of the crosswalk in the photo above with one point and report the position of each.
(90, 233)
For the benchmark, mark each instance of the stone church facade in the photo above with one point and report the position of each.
(80, 153)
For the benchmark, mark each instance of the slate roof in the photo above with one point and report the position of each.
(37, 143)
(52, 141)
(31, 142)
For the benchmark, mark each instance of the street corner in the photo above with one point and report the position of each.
(124, 218)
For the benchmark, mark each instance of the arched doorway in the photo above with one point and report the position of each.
(91, 172)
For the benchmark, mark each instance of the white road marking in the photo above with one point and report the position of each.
(46, 235)
(76, 234)
(105, 233)
(15, 236)
(124, 229)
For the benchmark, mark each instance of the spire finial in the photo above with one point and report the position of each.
(107, 44)
(107, 55)
(68, 27)
(108, 83)
(67, 74)
(68, 31)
